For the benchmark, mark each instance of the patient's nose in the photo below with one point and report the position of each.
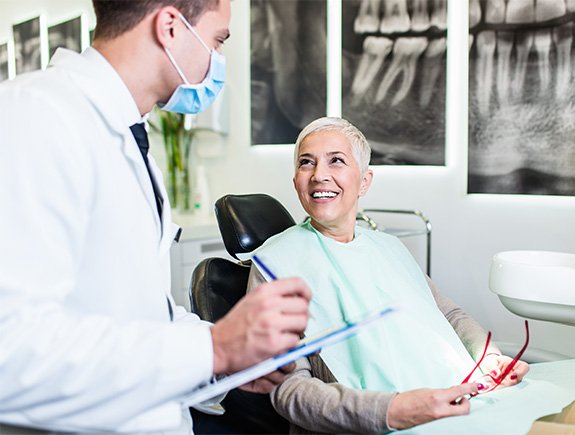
(321, 173)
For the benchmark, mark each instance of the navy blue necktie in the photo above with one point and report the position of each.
(141, 136)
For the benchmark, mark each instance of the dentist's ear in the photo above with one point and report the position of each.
(366, 180)
(165, 25)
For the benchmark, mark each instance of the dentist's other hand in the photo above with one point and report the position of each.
(267, 383)
(267, 321)
(416, 407)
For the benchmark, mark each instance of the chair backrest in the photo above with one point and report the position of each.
(247, 221)
(217, 285)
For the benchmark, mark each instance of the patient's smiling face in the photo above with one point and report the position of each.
(329, 182)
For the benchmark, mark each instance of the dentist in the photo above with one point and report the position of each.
(90, 338)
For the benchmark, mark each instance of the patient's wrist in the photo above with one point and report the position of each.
(390, 427)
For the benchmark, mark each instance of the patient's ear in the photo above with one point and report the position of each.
(365, 182)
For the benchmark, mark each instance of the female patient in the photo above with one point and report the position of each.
(423, 351)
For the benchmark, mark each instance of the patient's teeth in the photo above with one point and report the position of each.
(474, 13)
(563, 37)
(484, 71)
(375, 50)
(543, 47)
(432, 65)
(367, 20)
(549, 9)
(324, 194)
(395, 16)
(406, 51)
(439, 14)
(420, 16)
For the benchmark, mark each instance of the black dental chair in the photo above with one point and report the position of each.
(245, 222)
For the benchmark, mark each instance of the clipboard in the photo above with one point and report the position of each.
(306, 347)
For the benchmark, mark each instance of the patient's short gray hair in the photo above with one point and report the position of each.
(359, 145)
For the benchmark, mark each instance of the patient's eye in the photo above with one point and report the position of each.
(304, 162)
(337, 159)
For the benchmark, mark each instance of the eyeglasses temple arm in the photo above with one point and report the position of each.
(517, 357)
(480, 359)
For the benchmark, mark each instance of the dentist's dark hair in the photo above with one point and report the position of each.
(115, 17)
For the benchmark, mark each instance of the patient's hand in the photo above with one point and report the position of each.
(267, 383)
(495, 365)
(416, 407)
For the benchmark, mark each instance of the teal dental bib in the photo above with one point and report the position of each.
(415, 347)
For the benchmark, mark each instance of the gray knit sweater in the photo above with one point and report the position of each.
(314, 402)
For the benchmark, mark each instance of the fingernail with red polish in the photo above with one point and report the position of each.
(513, 376)
(480, 386)
(493, 372)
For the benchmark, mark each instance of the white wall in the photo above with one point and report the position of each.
(467, 229)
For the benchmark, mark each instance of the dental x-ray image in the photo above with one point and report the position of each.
(288, 67)
(3, 62)
(393, 78)
(65, 35)
(27, 46)
(521, 97)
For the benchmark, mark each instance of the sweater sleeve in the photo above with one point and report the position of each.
(317, 406)
(472, 335)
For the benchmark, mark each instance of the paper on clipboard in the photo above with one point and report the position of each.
(305, 348)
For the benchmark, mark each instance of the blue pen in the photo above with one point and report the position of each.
(264, 268)
(268, 272)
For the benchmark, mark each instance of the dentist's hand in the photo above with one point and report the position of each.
(416, 407)
(267, 321)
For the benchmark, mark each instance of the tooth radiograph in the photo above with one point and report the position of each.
(521, 97)
(393, 79)
(27, 50)
(3, 62)
(288, 67)
(521, 93)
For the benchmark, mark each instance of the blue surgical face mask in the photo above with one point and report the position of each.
(189, 98)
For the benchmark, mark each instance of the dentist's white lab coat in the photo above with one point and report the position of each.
(85, 337)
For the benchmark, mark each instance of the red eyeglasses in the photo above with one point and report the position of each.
(490, 382)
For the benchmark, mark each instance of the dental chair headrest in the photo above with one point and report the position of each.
(247, 221)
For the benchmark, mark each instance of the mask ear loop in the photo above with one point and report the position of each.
(180, 73)
(191, 29)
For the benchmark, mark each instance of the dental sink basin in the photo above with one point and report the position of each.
(536, 284)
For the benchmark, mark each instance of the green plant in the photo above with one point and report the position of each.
(177, 144)
(178, 135)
